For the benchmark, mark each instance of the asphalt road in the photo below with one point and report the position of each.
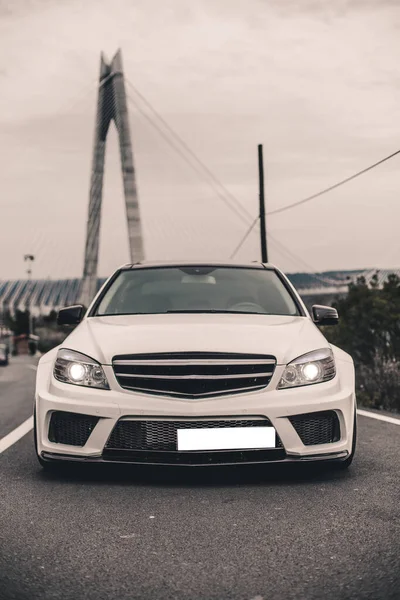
(258, 534)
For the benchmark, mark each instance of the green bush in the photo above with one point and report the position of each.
(369, 330)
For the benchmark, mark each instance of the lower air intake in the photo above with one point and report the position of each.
(158, 435)
(317, 428)
(71, 428)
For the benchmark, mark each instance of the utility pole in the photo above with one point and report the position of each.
(263, 231)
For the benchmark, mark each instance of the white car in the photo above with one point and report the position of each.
(196, 364)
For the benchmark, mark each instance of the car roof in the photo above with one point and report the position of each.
(198, 263)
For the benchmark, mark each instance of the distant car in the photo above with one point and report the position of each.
(196, 364)
(4, 354)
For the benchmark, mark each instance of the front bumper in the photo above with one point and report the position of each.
(49, 457)
(276, 405)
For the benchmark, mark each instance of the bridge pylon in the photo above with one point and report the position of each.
(111, 106)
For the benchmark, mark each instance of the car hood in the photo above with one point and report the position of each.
(284, 337)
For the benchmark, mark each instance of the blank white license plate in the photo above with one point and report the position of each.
(226, 438)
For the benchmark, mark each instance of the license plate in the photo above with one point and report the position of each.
(227, 438)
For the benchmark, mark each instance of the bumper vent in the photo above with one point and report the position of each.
(71, 428)
(193, 374)
(162, 435)
(317, 428)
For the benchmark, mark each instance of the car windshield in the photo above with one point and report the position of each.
(198, 289)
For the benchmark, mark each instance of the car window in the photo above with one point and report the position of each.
(197, 289)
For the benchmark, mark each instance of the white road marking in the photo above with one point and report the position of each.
(16, 435)
(372, 415)
(34, 367)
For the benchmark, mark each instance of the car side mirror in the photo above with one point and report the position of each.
(71, 315)
(324, 315)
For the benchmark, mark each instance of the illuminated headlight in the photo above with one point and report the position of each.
(79, 369)
(314, 367)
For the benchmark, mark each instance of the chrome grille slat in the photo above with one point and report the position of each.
(239, 376)
(193, 374)
(184, 394)
(193, 362)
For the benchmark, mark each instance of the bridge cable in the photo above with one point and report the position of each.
(182, 154)
(244, 238)
(310, 271)
(194, 156)
(291, 256)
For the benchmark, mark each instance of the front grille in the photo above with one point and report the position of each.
(317, 428)
(158, 435)
(71, 428)
(194, 374)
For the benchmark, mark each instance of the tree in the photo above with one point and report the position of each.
(369, 330)
(19, 324)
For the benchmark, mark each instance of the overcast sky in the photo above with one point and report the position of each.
(317, 82)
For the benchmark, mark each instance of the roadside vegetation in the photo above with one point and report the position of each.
(369, 330)
(50, 334)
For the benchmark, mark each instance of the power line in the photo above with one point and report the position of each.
(244, 238)
(332, 187)
(296, 260)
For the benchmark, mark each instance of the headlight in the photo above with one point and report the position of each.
(313, 367)
(78, 369)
